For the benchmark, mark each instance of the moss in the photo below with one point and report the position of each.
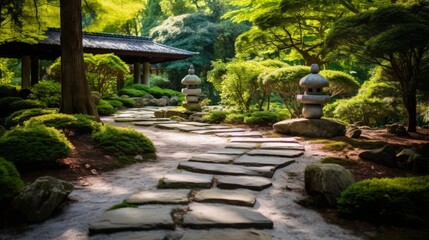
(262, 118)
(215, 117)
(123, 204)
(9, 105)
(10, 181)
(104, 108)
(126, 102)
(77, 123)
(19, 117)
(340, 161)
(235, 118)
(131, 92)
(336, 146)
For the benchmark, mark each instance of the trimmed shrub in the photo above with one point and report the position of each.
(215, 117)
(131, 92)
(396, 201)
(123, 141)
(9, 105)
(19, 117)
(77, 123)
(48, 92)
(7, 90)
(235, 118)
(104, 108)
(10, 181)
(126, 102)
(34, 143)
(115, 103)
(262, 118)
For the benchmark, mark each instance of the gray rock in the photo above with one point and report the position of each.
(161, 196)
(325, 182)
(276, 153)
(234, 197)
(214, 131)
(174, 101)
(227, 235)
(240, 134)
(142, 235)
(38, 200)
(229, 151)
(310, 128)
(224, 216)
(282, 146)
(227, 169)
(242, 145)
(353, 131)
(410, 159)
(247, 182)
(211, 158)
(197, 124)
(132, 219)
(148, 96)
(277, 162)
(397, 129)
(263, 140)
(186, 180)
(162, 102)
(190, 128)
(385, 156)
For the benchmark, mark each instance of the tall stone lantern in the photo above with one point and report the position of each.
(191, 90)
(313, 97)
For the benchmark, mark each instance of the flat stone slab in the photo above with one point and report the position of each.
(153, 123)
(160, 196)
(240, 134)
(190, 128)
(213, 131)
(218, 127)
(141, 235)
(278, 162)
(224, 216)
(282, 146)
(247, 182)
(276, 153)
(186, 180)
(198, 124)
(263, 140)
(132, 219)
(227, 235)
(133, 119)
(229, 151)
(234, 197)
(227, 169)
(243, 145)
(212, 158)
(171, 125)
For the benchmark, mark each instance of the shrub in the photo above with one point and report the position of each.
(126, 102)
(77, 123)
(397, 201)
(48, 92)
(262, 118)
(10, 181)
(170, 93)
(34, 143)
(235, 118)
(7, 90)
(115, 103)
(132, 92)
(19, 117)
(9, 105)
(215, 117)
(160, 81)
(104, 108)
(123, 141)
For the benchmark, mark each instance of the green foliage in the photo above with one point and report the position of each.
(262, 118)
(77, 123)
(9, 105)
(5, 74)
(131, 92)
(104, 108)
(215, 117)
(126, 102)
(7, 90)
(397, 201)
(340, 83)
(123, 141)
(114, 103)
(140, 90)
(235, 118)
(34, 144)
(340, 161)
(159, 81)
(10, 181)
(47, 92)
(19, 117)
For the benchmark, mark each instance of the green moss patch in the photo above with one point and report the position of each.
(340, 161)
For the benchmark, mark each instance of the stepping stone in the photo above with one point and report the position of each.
(171, 125)
(186, 180)
(167, 196)
(243, 145)
(213, 131)
(190, 128)
(142, 235)
(198, 124)
(282, 146)
(227, 169)
(233, 197)
(226, 235)
(262, 140)
(240, 134)
(224, 216)
(211, 158)
(229, 151)
(218, 127)
(247, 182)
(125, 115)
(139, 119)
(146, 123)
(278, 162)
(276, 153)
(132, 219)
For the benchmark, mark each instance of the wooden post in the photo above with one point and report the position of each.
(137, 75)
(146, 73)
(35, 71)
(25, 72)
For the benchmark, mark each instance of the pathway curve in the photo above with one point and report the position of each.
(208, 182)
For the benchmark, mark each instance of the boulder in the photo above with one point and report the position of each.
(148, 96)
(353, 131)
(139, 102)
(325, 182)
(171, 113)
(324, 128)
(385, 156)
(397, 129)
(162, 102)
(159, 114)
(174, 101)
(410, 159)
(37, 201)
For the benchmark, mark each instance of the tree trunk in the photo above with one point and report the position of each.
(410, 103)
(76, 97)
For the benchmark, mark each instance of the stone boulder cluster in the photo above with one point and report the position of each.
(149, 100)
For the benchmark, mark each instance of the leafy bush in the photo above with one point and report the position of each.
(7, 90)
(9, 105)
(10, 181)
(123, 141)
(19, 117)
(34, 143)
(114, 103)
(397, 201)
(262, 118)
(235, 118)
(159, 81)
(215, 117)
(48, 92)
(132, 92)
(104, 108)
(77, 123)
(126, 102)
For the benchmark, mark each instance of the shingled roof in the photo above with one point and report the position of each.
(128, 48)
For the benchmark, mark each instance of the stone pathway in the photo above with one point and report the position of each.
(215, 186)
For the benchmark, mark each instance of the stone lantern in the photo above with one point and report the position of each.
(191, 90)
(313, 98)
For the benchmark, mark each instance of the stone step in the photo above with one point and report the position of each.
(154, 123)
(242, 145)
(190, 128)
(277, 162)
(212, 158)
(213, 131)
(247, 182)
(185, 180)
(160, 196)
(141, 235)
(226, 235)
(282, 146)
(197, 124)
(240, 134)
(133, 119)
(173, 125)
(276, 153)
(124, 219)
(202, 216)
(227, 169)
(233, 197)
(263, 140)
(218, 127)
(229, 151)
